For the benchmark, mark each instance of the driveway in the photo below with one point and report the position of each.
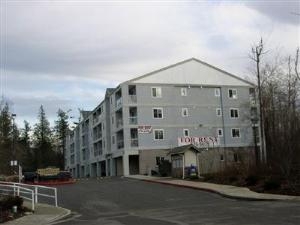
(116, 201)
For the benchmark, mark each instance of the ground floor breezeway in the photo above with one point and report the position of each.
(118, 166)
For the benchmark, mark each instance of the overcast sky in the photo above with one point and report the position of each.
(64, 54)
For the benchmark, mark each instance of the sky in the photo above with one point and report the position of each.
(64, 54)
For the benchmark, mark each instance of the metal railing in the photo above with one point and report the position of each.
(133, 120)
(25, 193)
(132, 98)
(120, 144)
(134, 142)
(37, 191)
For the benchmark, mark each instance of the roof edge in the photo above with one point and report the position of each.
(185, 61)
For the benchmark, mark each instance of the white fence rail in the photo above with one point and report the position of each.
(33, 193)
(25, 193)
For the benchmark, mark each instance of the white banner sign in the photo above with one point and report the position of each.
(200, 142)
(144, 129)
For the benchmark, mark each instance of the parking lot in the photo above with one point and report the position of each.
(131, 202)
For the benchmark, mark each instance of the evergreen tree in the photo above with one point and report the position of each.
(61, 129)
(44, 155)
(27, 154)
(5, 139)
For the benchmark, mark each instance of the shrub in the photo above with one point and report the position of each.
(7, 202)
(251, 180)
(272, 184)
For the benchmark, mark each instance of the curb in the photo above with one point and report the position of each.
(245, 198)
(212, 191)
(59, 217)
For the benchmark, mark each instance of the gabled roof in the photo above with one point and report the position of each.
(85, 113)
(183, 149)
(109, 91)
(192, 72)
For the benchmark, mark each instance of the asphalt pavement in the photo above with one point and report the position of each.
(117, 201)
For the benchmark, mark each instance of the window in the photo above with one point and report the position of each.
(235, 157)
(158, 113)
(222, 157)
(186, 133)
(232, 93)
(218, 111)
(112, 120)
(252, 92)
(184, 112)
(183, 91)
(113, 140)
(156, 92)
(235, 132)
(159, 160)
(234, 113)
(217, 92)
(158, 134)
(220, 132)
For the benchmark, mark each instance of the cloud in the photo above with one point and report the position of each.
(65, 53)
(287, 12)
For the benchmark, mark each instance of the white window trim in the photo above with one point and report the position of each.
(162, 113)
(182, 110)
(238, 111)
(233, 89)
(154, 134)
(218, 132)
(184, 132)
(218, 92)
(181, 92)
(156, 96)
(217, 109)
(239, 132)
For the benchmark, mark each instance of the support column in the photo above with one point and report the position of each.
(126, 165)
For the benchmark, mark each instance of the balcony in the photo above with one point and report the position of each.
(119, 123)
(133, 120)
(253, 102)
(119, 103)
(134, 142)
(95, 120)
(97, 136)
(132, 99)
(120, 144)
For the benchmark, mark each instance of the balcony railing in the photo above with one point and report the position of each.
(119, 123)
(133, 120)
(132, 98)
(119, 103)
(97, 136)
(134, 142)
(252, 102)
(120, 144)
(95, 120)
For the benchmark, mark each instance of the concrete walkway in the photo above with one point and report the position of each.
(224, 190)
(44, 214)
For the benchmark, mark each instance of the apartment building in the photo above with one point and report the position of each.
(142, 119)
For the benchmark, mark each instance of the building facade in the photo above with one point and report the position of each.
(139, 121)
